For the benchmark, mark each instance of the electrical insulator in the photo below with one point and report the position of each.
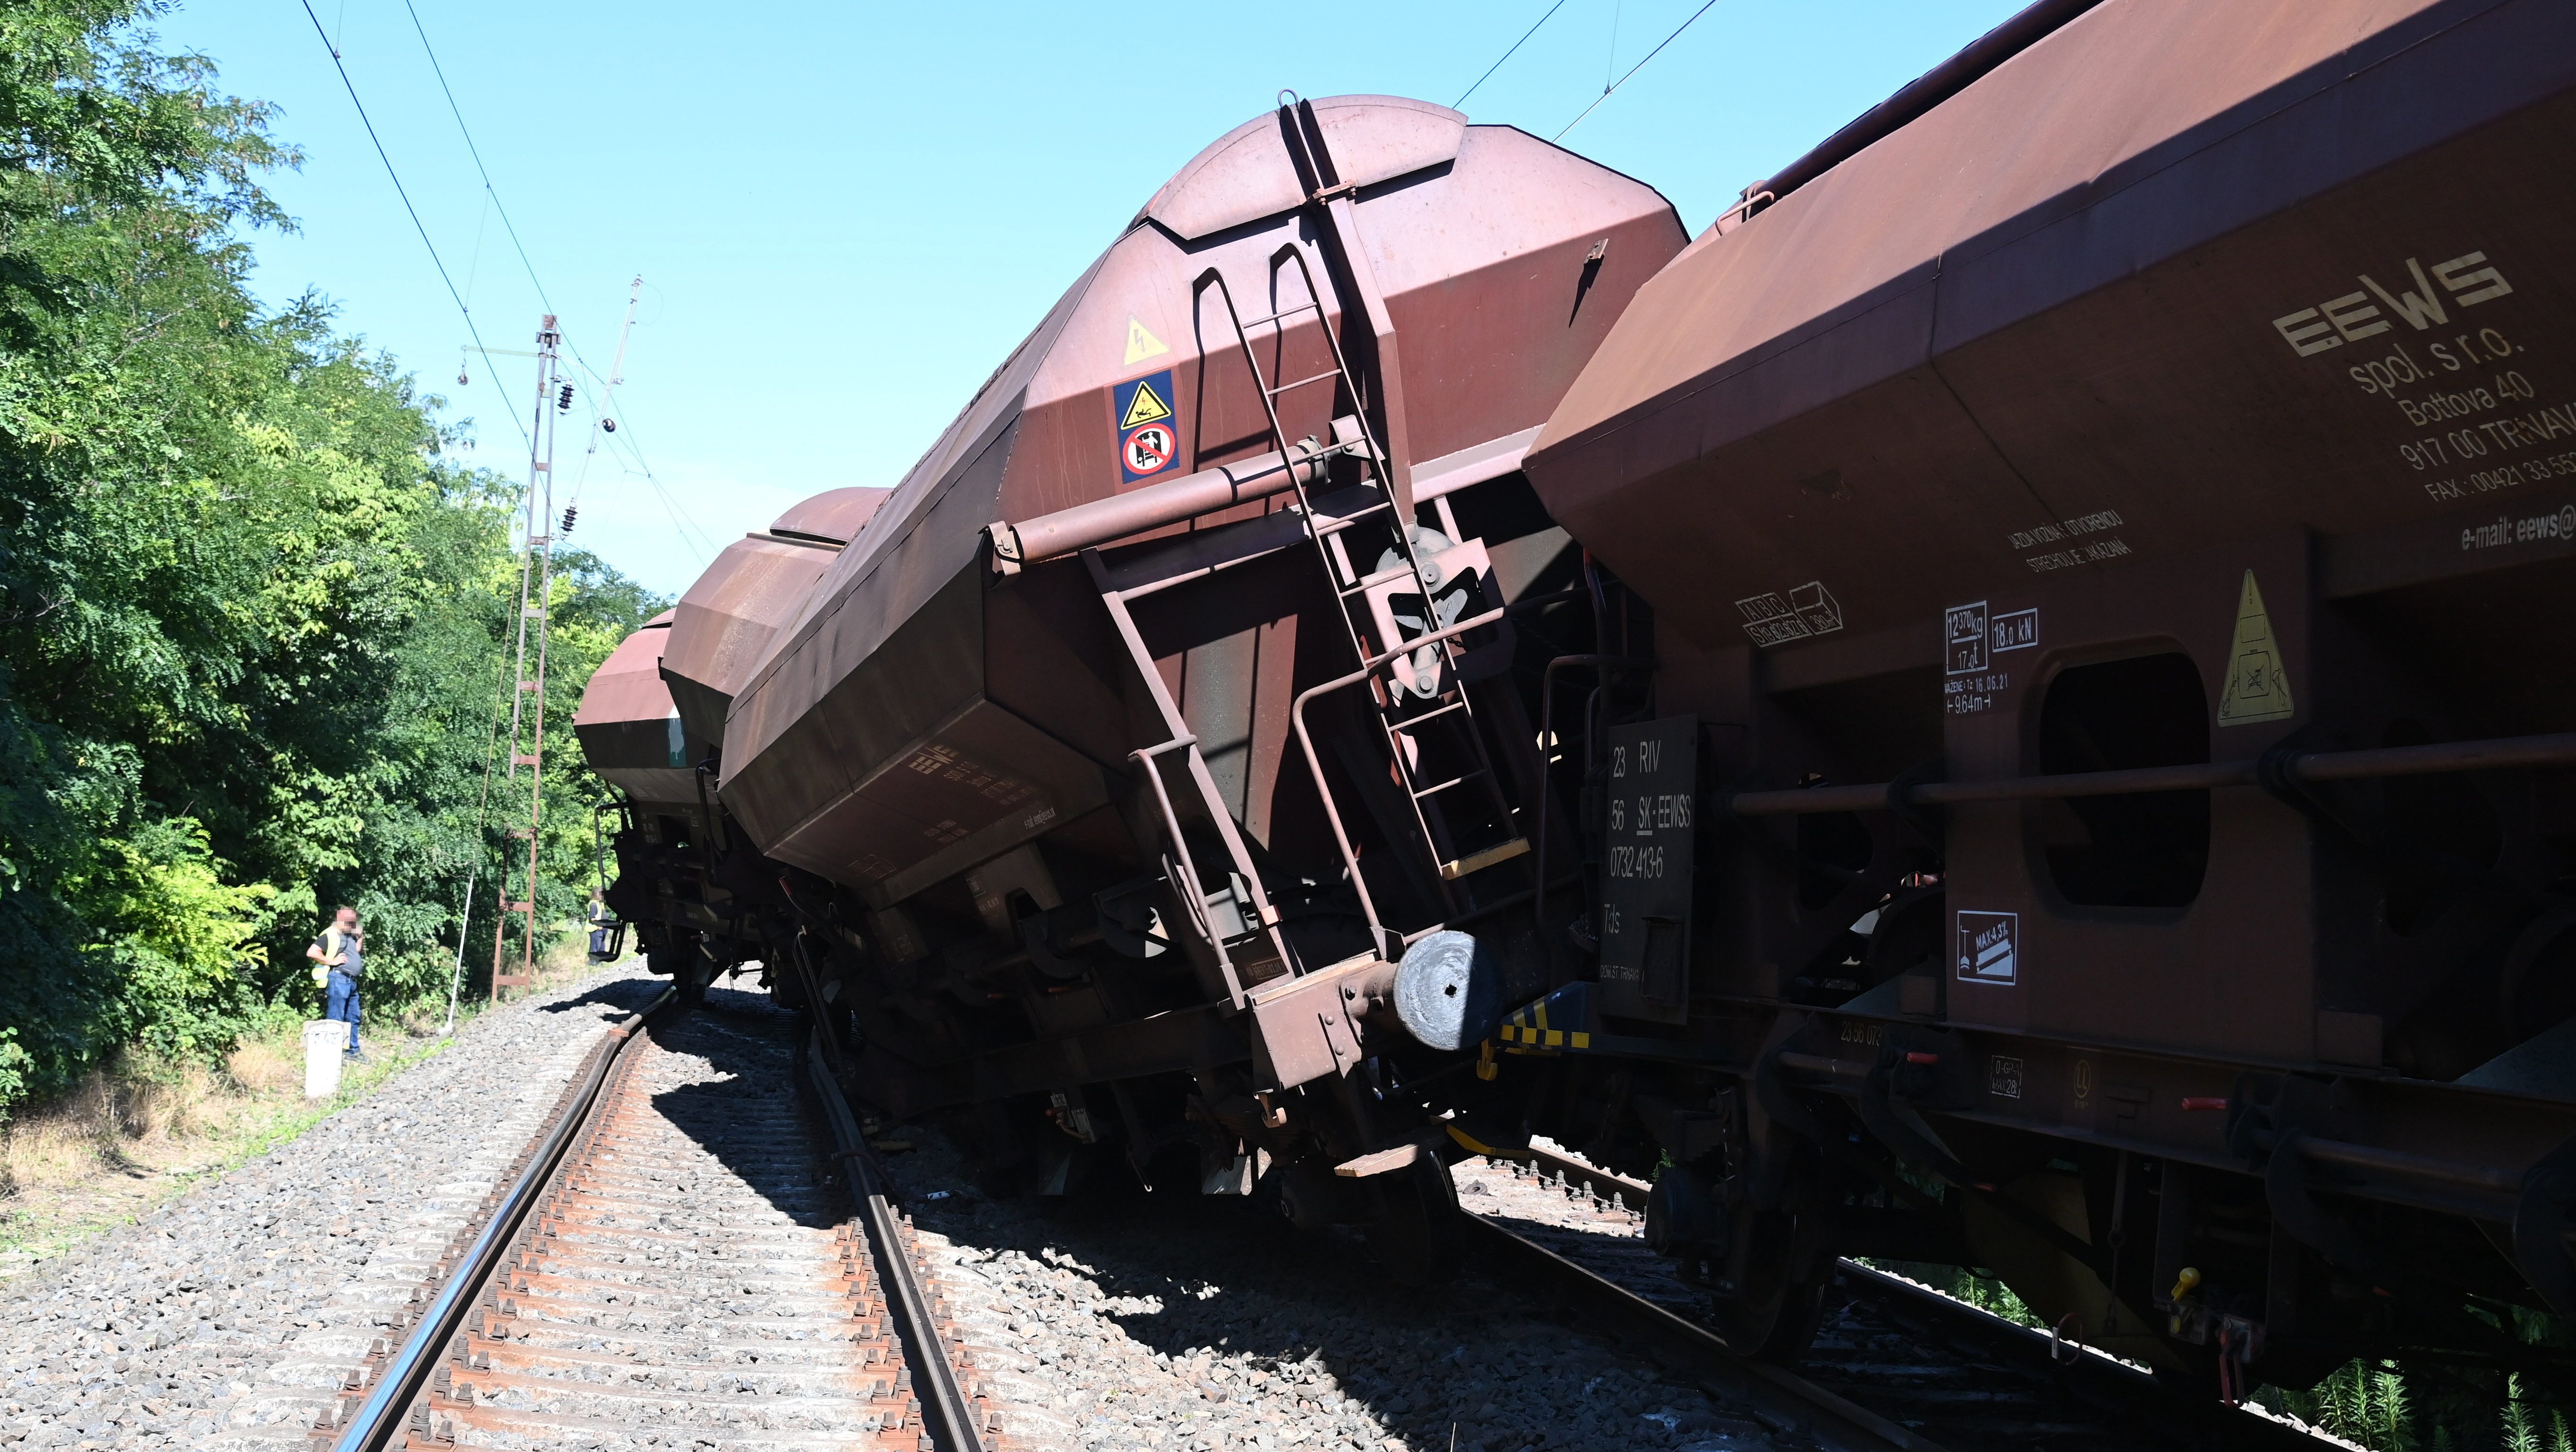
(571, 513)
(563, 400)
(608, 425)
(461, 379)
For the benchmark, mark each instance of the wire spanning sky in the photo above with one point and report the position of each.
(846, 215)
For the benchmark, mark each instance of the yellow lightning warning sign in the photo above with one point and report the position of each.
(1146, 407)
(1141, 344)
(2258, 683)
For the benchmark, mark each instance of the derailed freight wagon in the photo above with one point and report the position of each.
(2097, 803)
(650, 723)
(1191, 674)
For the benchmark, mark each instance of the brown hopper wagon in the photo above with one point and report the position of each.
(2109, 522)
(2007, 705)
(652, 718)
(1179, 685)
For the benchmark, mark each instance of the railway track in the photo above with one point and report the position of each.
(676, 1263)
(1896, 1365)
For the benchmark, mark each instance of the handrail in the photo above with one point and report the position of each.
(1175, 722)
(1084, 526)
(381, 1417)
(1196, 891)
(2493, 754)
(1315, 764)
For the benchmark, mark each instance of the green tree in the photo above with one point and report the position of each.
(252, 617)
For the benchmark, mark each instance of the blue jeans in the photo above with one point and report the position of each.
(344, 1005)
(599, 942)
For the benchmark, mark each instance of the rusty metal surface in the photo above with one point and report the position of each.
(959, 1416)
(628, 685)
(393, 1375)
(725, 622)
(1485, 261)
(2049, 324)
(2557, 750)
(1246, 174)
(836, 515)
(625, 719)
(1151, 507)
(2017, 34)
(2117, 469)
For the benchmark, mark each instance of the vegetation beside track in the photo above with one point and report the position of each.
(139, 1131)
(252, 612)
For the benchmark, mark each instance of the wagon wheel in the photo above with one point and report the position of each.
(696, 970)
(1789, 1274)
(1415, 1235)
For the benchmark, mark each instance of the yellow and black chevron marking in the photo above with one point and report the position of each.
(1529, 1026)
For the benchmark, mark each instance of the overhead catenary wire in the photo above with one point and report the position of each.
(603, 424)
(1614, 86)
(493, 195)
(1506, 55)
(401, 191)
(525, 429)
(489, 191)
(681, 519)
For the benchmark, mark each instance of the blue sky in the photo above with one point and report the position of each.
(845, 215)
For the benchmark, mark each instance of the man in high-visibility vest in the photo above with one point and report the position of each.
(340, 961)
(601, 920)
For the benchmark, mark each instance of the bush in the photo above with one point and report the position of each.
(256, 619)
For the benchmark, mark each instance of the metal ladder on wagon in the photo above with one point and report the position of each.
(1427, 725)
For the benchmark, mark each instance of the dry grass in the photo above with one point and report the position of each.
(185, 1101)
(567, 955)
(262, 1066)
(130, 1113)
(62, 1142)
(140, 1131)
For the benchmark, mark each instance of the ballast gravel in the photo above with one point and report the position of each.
(1138, 1326)
(229, 1317)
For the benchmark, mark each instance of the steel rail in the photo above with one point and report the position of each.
(383, 1415)
(2096, 1373)
(943, 1394)
(1832, 1422)
(2495, 754)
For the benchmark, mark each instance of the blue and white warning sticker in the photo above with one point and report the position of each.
(1149, 434)
(1989, 947)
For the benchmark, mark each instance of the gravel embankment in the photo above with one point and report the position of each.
(228, 1317)
(1212, 1324)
